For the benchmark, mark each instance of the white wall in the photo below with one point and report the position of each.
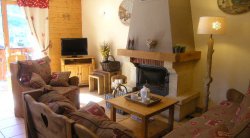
(99, 27)
(231, 59)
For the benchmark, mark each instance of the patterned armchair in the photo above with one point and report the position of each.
(22, 73)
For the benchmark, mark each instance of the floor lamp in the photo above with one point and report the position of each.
(211, 26)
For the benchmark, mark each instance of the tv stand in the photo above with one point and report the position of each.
(80, 66)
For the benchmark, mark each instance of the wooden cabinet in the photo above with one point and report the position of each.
(79, 66)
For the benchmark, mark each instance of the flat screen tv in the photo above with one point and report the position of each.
(74, 46)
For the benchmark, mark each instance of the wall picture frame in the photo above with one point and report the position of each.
(234, 6)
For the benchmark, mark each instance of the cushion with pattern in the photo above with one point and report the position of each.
(37, 81)
(242, 118)
(39, 66)
(60, 79)
(57, 103)
(102, 127)
(94, 109)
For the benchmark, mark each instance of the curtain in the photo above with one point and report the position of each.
(37, 15)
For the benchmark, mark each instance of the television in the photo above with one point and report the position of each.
(74, 46)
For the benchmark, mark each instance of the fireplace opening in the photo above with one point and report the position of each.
(156, 78)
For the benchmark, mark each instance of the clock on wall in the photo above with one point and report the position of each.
(234, 6)
(125, 11)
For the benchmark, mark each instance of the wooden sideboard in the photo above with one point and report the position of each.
(79, 66)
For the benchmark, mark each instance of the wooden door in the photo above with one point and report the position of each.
(84, 73)
(73, 69)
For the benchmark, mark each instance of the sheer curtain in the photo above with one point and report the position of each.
(37, 15)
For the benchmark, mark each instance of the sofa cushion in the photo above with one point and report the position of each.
(94, 109)
(60, 79)
(65, 90)
(102, 127)
(40, 66)
(242, 117)
(36, 81)
(224, 112)
(57, 102)
(200, 127)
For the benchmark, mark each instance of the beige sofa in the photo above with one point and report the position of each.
(43, 120)
(71, 92)
(230, 119)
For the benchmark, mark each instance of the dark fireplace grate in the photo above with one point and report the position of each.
(157, 78)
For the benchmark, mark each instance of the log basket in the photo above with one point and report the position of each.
(111, 66)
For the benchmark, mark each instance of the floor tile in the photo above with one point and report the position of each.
(13, 130)
(20, 136)
(10, 122)
(1, 136)
(5, 115)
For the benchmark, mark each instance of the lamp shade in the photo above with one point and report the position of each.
(211, 25)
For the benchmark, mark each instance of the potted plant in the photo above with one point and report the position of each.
(108, 65)
(105, 51)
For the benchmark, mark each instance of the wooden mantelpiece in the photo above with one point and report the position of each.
(170, 57)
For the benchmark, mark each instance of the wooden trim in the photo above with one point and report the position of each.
(5, 23)
(11, 2)
(171, 57)
(188, 56)
(146, 55)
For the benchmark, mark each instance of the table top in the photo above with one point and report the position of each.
(135, 108)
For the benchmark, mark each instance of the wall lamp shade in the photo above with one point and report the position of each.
(211, 25)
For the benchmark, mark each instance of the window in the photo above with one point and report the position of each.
(1, 30)
(14, 26)
(18, 27)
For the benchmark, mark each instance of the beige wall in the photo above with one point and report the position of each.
(231, 59)
(99, 27)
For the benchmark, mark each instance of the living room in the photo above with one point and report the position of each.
(99, 22)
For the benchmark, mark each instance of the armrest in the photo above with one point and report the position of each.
(234, 96)
(74, 81)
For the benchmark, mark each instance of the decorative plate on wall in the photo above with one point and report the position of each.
(234, 6)
(125, 11)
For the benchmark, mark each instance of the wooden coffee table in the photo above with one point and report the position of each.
(145, 128)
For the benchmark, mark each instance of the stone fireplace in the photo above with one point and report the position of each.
(156, 78)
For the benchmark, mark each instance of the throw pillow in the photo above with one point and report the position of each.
(37, 81)
(94, 109)
(57, 103)
(60, 79)
(103, 128)
(40, 66)
(242, 118)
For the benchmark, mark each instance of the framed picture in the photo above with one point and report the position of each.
(234, 6)
(125, 11)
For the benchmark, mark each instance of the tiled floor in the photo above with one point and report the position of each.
(12, 127)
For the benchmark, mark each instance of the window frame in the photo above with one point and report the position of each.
(5, 22)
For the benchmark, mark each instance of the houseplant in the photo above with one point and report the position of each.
(106, 64)
(105, 51)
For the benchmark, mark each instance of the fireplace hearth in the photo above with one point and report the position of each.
(156, 78)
